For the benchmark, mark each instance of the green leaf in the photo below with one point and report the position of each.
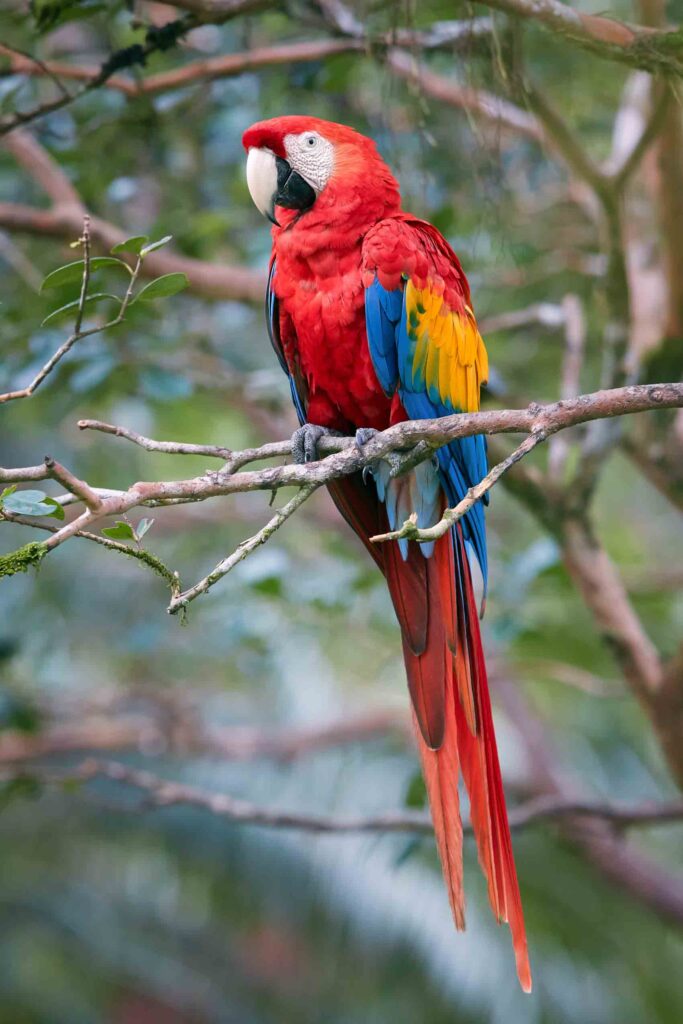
(156, 245)
(122, 531)
(49, 14)
(416, 792)
(6, 493)
(162, 287)
(134, 244)
(71, 273)
(28, 503)
(71, 307)
(57, 509)
(143, 526)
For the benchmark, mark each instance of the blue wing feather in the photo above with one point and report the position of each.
(273, 324)
(382, 310)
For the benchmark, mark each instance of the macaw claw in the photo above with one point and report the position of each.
(365, 434)
(305, 442)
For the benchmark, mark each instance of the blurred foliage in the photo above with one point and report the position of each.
(113, 915)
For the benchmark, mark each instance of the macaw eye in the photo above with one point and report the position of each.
(311, 140)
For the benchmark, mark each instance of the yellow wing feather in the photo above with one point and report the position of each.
(448, 352)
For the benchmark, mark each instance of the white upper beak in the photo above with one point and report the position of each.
(262, 180)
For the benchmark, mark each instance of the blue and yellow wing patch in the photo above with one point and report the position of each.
(435, 357)
(445, 353)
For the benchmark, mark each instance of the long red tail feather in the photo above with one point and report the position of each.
(469, 744)
(435, 604)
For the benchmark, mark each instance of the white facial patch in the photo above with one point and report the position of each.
(312, 156)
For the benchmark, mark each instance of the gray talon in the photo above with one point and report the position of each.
(365, 434)
(305, 442)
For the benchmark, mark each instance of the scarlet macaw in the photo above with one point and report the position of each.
(370, 315)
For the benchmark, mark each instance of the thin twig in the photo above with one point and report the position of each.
(78, 334)
(139, 554)
(106, 70)
(411, 531)
(168, 447)
(162, 793)
(180, 601)
(84, 241)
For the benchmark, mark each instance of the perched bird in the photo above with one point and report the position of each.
(370, 315)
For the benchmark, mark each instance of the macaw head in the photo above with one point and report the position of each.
(300, 163)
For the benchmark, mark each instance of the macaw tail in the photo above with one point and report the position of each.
(454, 654)
(436, 608)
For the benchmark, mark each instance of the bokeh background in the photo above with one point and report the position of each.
(286, 685)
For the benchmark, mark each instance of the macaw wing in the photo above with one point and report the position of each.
(425, 344)
(426, 348)
(287, 360)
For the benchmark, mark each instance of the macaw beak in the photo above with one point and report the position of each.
(273, 182)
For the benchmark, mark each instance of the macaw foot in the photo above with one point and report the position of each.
(365, 434)
(305, 442)
(383, 469)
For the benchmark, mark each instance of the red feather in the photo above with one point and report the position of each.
(451, 706)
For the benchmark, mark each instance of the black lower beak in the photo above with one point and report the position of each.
(292, 191)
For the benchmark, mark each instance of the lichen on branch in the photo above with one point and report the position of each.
(27, 557)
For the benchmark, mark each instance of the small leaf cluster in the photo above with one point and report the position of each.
(73, 273)
(124, 530)
(29, 503)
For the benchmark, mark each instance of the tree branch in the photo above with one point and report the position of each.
(632, 871)
(345, 456)
(168, 447)
(135, 54)
(638, 46)
(177, 728)
(453, 35)
(45, 171)
(162, 793)
(405, 445)
(492, 108)
(179, 602)
(211, 280)
(605, 595)
(65, 220)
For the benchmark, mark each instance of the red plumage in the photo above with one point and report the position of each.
(325, 261)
